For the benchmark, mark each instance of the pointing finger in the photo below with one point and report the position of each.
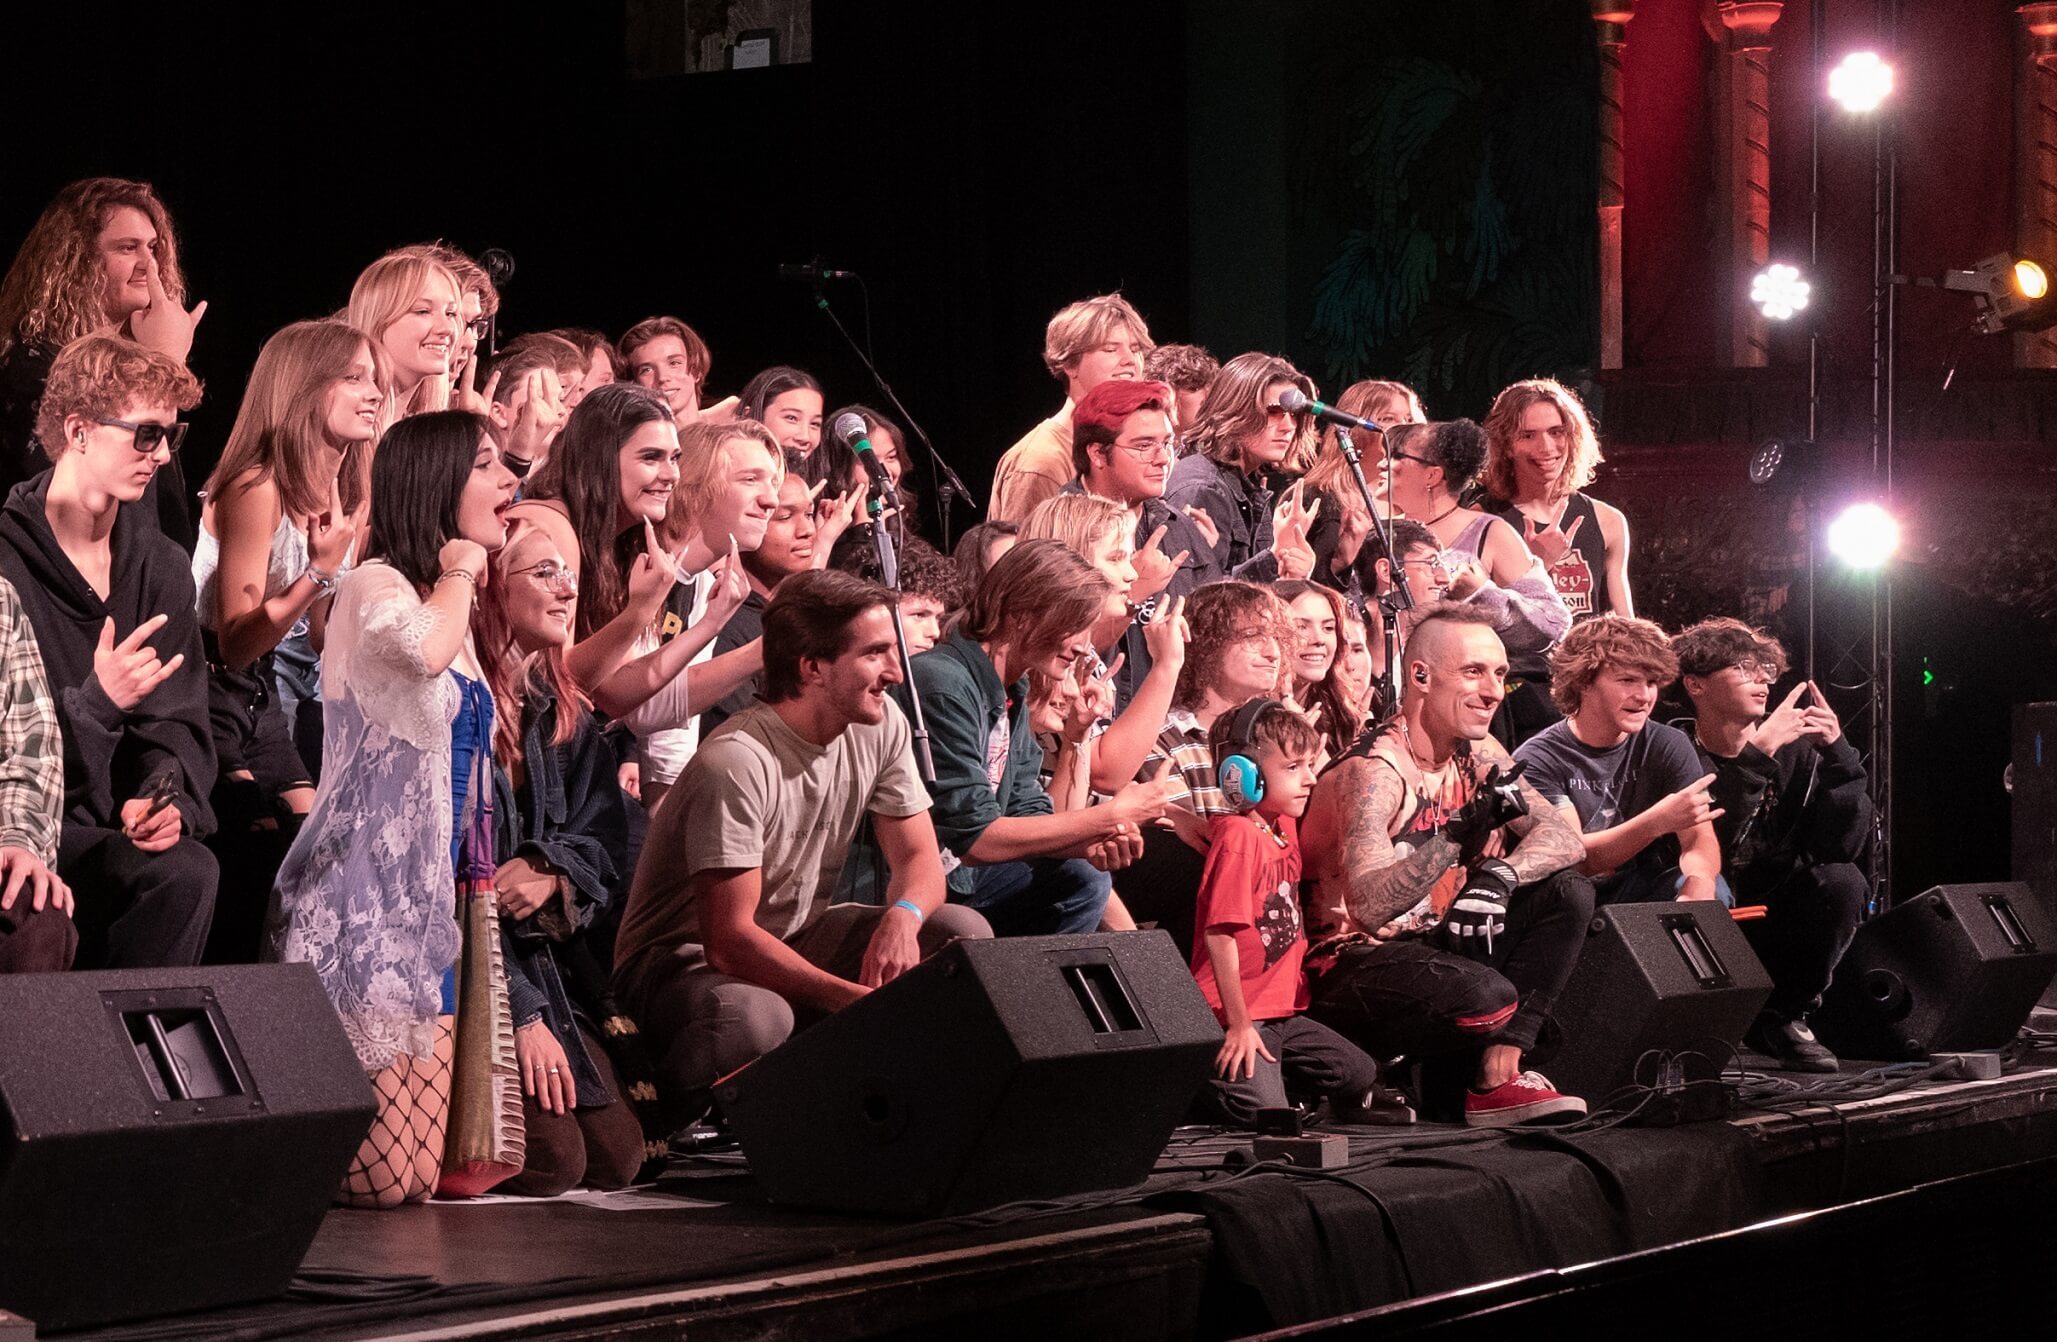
(1793, 696)
(1528, 527)
(1155, 537)
(1112, 667)
(141, 632)
(1572, 530)
(152, 278)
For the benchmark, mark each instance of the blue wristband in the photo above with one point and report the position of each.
(913, 908)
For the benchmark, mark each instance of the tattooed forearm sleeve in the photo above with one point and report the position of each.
(1545, 843)
(1381, 885)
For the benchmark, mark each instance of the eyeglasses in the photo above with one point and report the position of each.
(1409, 456)
(148, 436)
(1752, 669)
(553, 576)
(480, 327)
(1437, 562)
(1147, 451)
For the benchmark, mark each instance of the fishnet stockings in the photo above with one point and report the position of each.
(402, 1155)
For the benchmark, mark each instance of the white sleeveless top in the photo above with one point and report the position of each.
(288, 560)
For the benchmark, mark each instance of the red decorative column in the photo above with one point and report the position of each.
(2035, 162)
(1745, 156)
(1610, 21)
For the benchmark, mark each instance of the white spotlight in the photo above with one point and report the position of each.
(1861, 82)
(1863, 535)
(1778, 291)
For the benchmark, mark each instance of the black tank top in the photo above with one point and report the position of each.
(1581, 576)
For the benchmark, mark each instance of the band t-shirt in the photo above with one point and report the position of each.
(758, 794)
(1251, 887)
(1615, 784)
(1580, 574)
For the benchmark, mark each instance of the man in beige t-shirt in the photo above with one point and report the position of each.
(729, 938)
(1086, 344)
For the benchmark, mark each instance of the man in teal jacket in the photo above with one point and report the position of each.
(1029, 870)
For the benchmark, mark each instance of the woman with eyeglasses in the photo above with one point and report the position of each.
(111, 601)
(1241, 435)
(561, 836)
(102, 258)
(1487, 563)
(274, 540)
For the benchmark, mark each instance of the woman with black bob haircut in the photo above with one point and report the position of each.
(366, 894)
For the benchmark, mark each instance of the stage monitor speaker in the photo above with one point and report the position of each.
(170, 1139)
(2032, 788)
(1023, 1067)
(1957, 968)
(1666, 980)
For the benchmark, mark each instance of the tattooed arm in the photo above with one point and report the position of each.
(1544, 842)
(1378, 884)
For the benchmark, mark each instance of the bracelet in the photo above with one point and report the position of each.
(913, 908)
(459, 573)
(324, 583)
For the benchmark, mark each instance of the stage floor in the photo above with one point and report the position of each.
(1204, 1248)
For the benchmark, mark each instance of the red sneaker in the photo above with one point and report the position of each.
(1528, 1098)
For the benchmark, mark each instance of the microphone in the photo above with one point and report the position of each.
(814, 272)
(851, 432)
(1295, 400)
(498, 263)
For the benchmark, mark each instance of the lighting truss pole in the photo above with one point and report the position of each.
(1885, 216)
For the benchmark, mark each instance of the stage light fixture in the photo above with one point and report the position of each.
(1778, 291)
(1861, 83)
(2012, 293)
(1864, 536)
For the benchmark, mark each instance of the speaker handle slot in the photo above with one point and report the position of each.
(1103, 996)
(1700, 959)
(185, 1055)
(2002, 909)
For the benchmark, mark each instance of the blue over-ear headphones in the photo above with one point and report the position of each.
(1241, 781)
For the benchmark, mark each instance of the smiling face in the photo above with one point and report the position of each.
(1731, 694)
(103, 457)
(488, 494)
(1249, 667)
(124, 245)
(538, 591)
(352, 414)
(661, 365)
(854, 685)
(1542, 441)
(1460, 683)
(1119, 355)
(1314, 621)
(749, 493)
(794, 418)
(649, 465)
(421, 341)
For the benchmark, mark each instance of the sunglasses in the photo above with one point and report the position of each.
(148, 436)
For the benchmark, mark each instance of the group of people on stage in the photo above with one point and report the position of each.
(524, 694)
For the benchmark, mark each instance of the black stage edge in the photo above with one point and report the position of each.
(1203, 1249)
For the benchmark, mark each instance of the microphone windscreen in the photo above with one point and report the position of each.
(1293, 400)
(850, 427)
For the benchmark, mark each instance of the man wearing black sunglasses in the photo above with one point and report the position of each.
(111, 603)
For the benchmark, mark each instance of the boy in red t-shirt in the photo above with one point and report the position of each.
(1247, 958)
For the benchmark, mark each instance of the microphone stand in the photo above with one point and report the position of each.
(949, 487)
(1398, 596)
(889, 566)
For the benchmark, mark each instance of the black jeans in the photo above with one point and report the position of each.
(137, 910)
(1412, 998)
(1310, 1060)
(1810, 918)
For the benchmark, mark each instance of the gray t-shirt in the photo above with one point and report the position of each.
(757, 794)
(1612, 785)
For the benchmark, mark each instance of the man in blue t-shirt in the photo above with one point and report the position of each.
(1635, 787)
